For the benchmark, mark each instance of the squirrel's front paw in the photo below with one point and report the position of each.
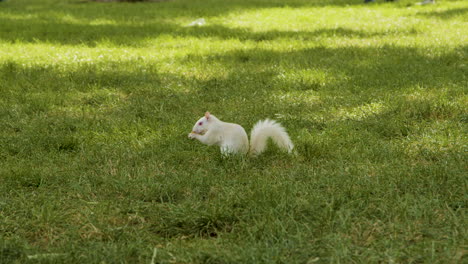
(191, 135)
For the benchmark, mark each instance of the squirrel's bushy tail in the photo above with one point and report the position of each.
(269, 129)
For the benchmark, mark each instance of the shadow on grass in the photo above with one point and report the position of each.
(360, 69)
(123, 12)
(129, 24)
(51, 31)
(348, 69)
(446, 14)
(113, 97)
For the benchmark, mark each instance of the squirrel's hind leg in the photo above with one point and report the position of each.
(226, 150)
(229, 149)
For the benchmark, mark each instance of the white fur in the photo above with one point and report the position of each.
(233, 139)
(269, 129)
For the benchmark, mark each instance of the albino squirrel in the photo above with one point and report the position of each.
(232, 138)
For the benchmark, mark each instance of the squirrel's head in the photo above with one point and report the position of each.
(203, 124)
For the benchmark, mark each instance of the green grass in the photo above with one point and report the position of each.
(97, 100)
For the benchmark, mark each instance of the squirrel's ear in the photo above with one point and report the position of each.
(207, 115)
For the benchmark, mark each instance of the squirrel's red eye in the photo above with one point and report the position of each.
(201, 123)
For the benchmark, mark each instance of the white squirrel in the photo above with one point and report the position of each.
(233, 139)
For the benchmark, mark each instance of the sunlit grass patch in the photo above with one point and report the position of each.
(361, 112)
(438, 141)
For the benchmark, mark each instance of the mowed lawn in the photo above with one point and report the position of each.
(97, 100)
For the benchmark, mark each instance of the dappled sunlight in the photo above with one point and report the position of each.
(437, 141)
(435, 103)
(97, 100)
(313, 108)
(327, 22)
(358, 113)
(19, 17)
(297, 98)
(67, 19)
(70, 19)
(297, 24)
(304, 79)
(456, 11)
(331, 114)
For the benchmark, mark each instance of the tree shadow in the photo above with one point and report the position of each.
(123, 12)
(257, 78)
(33, 30)
(59, 107)
(384, 68)
(130, 23)
(446, 14)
